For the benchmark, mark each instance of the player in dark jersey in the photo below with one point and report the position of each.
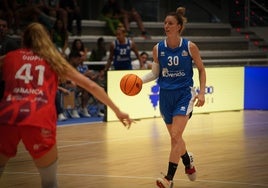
(173, 66)
(120, 52)
(27, 109)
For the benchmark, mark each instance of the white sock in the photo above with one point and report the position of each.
(49, 175)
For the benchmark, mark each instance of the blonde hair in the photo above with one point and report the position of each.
(37, 39)
(179, 15)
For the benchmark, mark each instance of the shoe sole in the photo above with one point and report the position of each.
(159, 184)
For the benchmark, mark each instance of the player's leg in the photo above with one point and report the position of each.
(178, 146)
(3, 161)
(9, 140)
(187, 157)
(41, 144)
(166, 100)
(47, 167)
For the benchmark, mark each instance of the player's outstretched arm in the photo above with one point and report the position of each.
(155, 69)
(99, 93)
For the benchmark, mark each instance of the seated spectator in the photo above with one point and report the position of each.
(78, 45)
(7, 12)
(59, 102)
(144, 60)
(99, 53)
(82, 96)
(53, 9)
(74, 13)
(32, 11)
(130, 14)
(60, 37)
(7, 43)
(111, 14)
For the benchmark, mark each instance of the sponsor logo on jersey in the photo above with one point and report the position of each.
(184, 53)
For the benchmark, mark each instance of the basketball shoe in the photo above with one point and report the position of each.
(74, 114)
(164, 183)
(85, 113)
(191, 171)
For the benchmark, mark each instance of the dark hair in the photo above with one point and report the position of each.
(73, 47)
(144, 53)
(100, 40)
(179, 15)
(74, 54)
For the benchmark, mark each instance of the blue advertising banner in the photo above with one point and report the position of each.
(256, 88)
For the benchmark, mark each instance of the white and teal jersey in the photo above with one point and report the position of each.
(176, 66)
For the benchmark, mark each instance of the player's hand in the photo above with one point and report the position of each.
(200, 100)
(125, 119)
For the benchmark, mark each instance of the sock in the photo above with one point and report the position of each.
(48, 176)
(172, 167)
(186, 160)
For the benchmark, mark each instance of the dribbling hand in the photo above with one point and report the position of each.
(125, 119)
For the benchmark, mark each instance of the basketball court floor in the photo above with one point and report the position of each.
(230, 151)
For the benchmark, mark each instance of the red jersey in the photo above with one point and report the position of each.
(30, 90)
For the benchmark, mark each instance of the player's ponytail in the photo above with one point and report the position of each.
(181, 18)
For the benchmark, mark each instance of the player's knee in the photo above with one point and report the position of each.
(49, 176)
(176, 139)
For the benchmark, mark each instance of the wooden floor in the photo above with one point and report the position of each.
(230, 149)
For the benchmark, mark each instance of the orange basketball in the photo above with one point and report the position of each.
(130, 84)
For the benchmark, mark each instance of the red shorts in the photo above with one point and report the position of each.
(38, 141)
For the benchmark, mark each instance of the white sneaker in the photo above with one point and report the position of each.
(100, 114)
(164, 183)
(61, 117)
(191, 172)
(85, 113)
(74, 114)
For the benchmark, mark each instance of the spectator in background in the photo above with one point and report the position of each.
(98, 53)
(78, 45)
(33, 11)
(7, 44)
(144, 56)
(120, 52)
(59, 102)
(7, 12)
(81, 95)
(53, 9)
(130, 14)
(111, 14)
(74, 13)
(60, 37)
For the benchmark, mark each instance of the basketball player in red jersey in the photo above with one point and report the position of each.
(27, 110)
